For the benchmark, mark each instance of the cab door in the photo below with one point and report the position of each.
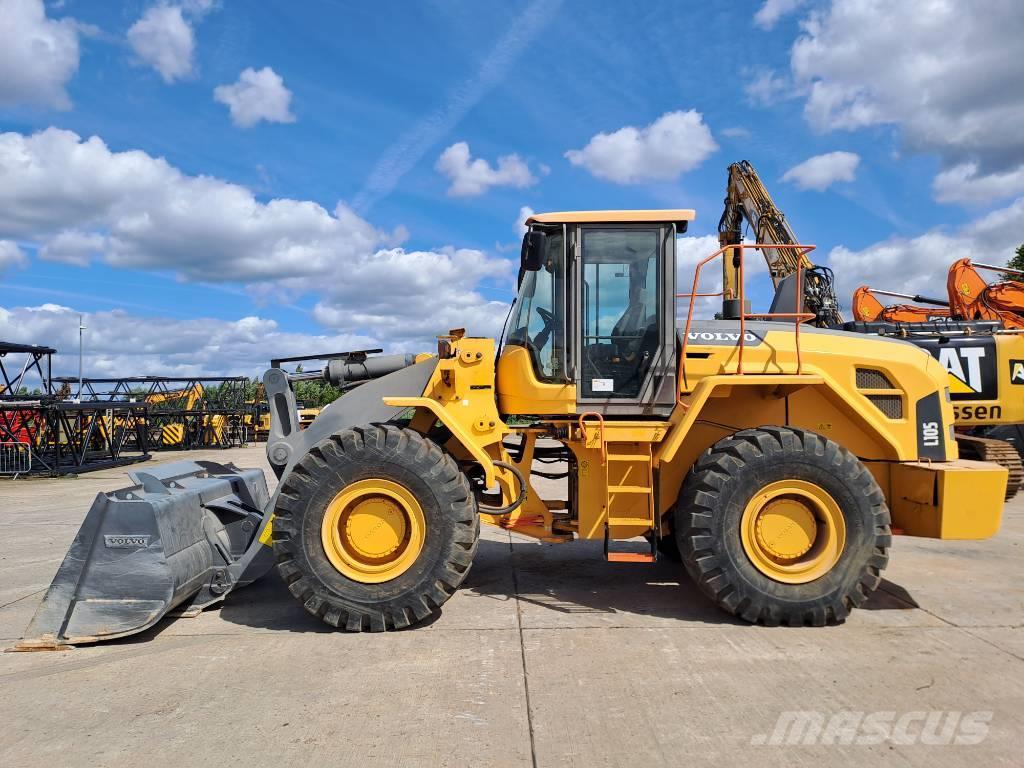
(624, 324)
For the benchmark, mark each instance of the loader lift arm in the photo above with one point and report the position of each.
(747, 199)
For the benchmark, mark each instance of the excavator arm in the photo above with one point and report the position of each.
(747, 199)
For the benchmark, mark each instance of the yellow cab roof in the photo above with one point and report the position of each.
(604, 217)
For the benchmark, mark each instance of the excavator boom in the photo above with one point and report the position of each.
(747, 199)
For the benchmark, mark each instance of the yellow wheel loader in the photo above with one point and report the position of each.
(775, 459)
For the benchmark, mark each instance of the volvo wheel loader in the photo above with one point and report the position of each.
(775, 459)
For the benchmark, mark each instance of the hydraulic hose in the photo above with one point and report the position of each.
(487, 509)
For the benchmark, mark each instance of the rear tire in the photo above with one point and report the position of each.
(447, 523)
(837, 503)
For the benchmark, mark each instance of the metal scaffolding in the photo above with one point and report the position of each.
(183, 413)
(43, 433)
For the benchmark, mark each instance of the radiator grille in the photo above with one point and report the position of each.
(890, 405)
(868, 378)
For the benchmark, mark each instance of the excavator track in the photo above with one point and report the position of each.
(998, 452)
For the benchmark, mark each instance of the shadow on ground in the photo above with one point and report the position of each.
(556, 585)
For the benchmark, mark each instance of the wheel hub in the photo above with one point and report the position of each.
(373, 530)
(785, 528)
(793, 531)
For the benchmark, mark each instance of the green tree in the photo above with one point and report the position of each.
(1016, 262)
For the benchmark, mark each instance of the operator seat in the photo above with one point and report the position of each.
(628, 330)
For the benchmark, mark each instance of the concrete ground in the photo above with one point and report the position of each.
(547, 656)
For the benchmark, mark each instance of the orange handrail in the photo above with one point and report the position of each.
(583, 432)
(797, 316)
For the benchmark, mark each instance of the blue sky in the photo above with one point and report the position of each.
(360, 103)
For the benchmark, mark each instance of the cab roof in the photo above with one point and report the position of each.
(670, 215)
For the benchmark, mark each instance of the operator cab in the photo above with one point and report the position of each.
(593, 325)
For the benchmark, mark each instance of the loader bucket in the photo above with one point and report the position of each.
(179, 539)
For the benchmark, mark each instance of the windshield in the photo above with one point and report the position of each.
(537, 318)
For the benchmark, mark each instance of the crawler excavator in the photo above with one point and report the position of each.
(977, 333)
(777, 457)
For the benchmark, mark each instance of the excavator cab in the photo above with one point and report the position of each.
(594, 318)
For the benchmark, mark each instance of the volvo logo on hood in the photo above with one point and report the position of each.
(722, 338)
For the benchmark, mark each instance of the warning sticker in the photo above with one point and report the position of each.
(602, 385)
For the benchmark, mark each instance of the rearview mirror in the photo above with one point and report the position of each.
(532, 256)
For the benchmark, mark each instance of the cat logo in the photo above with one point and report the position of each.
(970, 364)
(1017, 371)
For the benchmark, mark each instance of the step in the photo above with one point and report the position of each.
(619, 521)
(629, 489)
(629, 557)
(632, 457)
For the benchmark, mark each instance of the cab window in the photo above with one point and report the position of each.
(537, 319)
(620, 313)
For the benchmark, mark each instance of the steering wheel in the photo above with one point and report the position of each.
(549, 323)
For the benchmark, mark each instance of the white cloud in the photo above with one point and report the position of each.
(11, 256)
(947, 72)
(674, 143)
(156, 217)
(767, 88)
(471, 177)
(920, 264)
(964, 184)
(38, 55)
(73, 247)
(118, 343)
(164, 39)
(398, 294)
(525, 212)
(257, 95)
(822, 171)
(736, 132)
(79, 199)
(772, 10)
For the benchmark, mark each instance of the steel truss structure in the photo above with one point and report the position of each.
(183, 413)
(41, 433)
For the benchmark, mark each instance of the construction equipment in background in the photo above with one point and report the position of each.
(971, 297)
(977, 336)
(867, 308)
(45, 432)
(774, 458)
(184, 413)
(747, 199)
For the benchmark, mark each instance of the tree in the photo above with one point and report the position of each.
(1016, 262)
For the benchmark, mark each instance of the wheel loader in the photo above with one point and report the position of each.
(775, 459)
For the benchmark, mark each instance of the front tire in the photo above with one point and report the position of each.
(783, 526)
(375, 528)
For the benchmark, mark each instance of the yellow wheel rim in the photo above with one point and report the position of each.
(793, 531)
(373, 531)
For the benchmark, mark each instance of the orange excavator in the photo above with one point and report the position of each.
(868, 309)
(971, 297)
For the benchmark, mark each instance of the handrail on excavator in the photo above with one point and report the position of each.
(797, 315)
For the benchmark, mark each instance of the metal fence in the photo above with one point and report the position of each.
(15, 458)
